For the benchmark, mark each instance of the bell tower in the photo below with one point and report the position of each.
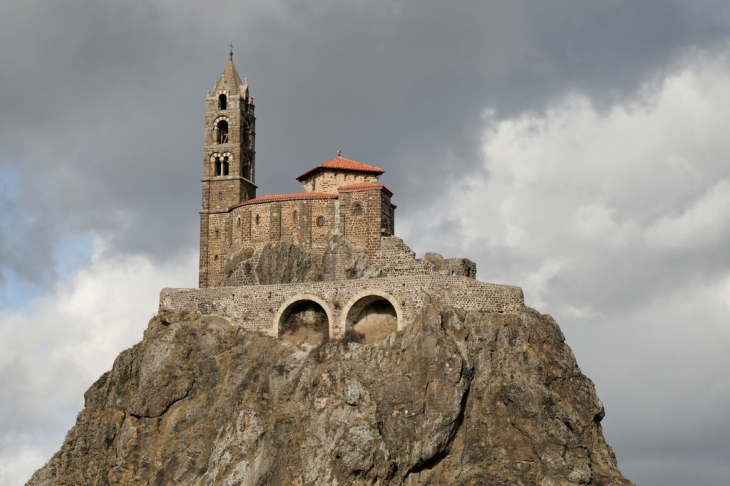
(229, 166)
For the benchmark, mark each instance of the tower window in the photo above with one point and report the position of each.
(218, 166)
(358, 210)
(220, 196)
(222, 131)
(225, 166)
(320, 220)
(222, 102)
(294, 216)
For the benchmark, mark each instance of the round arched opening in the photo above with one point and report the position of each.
(222, 131)
(304, 321)
(373, 318)
(222, 102)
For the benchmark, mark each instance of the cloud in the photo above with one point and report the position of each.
(52, 351)
(599, 184)
(618, 223)
(101, 108)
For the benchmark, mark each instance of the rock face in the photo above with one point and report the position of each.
(455, 399)
(285, 262)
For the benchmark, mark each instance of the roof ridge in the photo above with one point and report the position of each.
(341, 163)
(363, 186)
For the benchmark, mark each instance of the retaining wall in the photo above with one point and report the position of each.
(259, 307)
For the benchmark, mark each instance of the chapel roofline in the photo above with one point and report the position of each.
(365, 186)
(340, 163)
(231, 80)
(286, 197)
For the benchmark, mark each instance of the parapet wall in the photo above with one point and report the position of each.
(260, 307)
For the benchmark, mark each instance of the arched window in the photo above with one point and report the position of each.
(217, 234)
(238, 222)
(357, 210)
(222, 102)
(222, 131)
(217, 166)
(320, 220)
(225, 166)
(294, 216)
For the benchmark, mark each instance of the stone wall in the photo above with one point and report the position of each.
(259, 307)
(399, 260)
(329, 180)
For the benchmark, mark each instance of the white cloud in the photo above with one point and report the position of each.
(618, 223)
(51, 352)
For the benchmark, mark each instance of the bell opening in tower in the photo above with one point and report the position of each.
(222, 131)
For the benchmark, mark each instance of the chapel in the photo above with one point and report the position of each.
(339, 195)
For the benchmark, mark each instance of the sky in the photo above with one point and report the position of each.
(576, 149)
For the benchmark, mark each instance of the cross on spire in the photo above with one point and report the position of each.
(230, 55)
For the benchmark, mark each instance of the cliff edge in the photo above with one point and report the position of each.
(456, 398)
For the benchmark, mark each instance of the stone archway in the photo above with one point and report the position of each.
(303, 318)
(372, 314)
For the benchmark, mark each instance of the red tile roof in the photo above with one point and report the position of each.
(342, 163)
(364, 186)
(287, 197)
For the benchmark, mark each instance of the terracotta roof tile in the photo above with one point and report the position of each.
(287, 197)
(364, 186)
(342, 163)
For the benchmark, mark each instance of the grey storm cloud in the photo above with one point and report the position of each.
(101, 106)
(101, 132)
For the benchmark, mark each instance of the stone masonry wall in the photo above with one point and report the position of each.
(400, 260)
(329, 180)
(259, 308)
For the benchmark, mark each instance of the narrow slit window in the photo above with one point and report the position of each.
(258, 220)
(320, 220)
(294, 216)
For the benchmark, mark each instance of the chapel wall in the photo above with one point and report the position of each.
(290, 219)
(217, 238)
(330, 180)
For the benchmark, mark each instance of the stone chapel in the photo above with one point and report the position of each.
(320, 262)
